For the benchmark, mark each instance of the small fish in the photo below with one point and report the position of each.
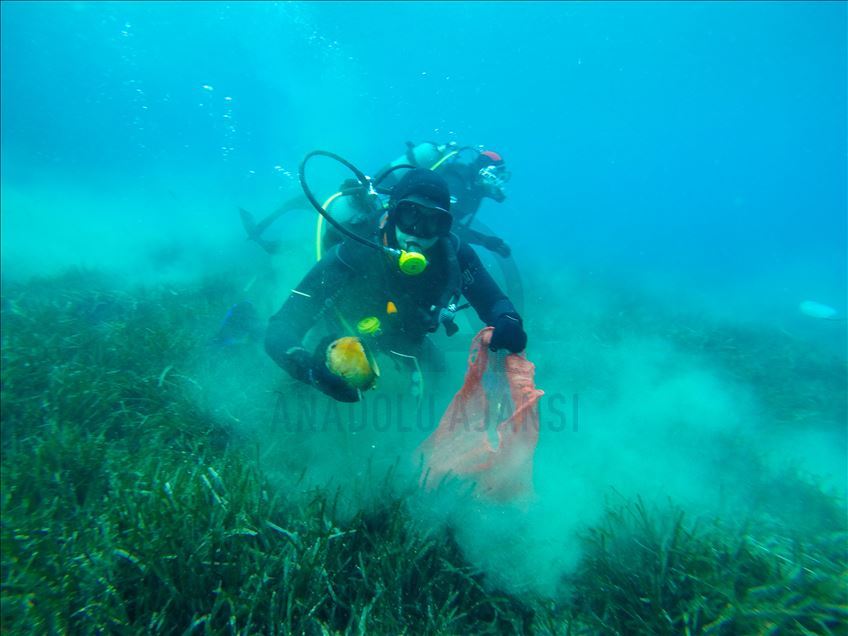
(347, 357)
(818, 310)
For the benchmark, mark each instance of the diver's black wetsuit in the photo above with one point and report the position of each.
(466, 193)
(353, 281)
(469, 194)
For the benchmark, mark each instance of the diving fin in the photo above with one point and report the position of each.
(254, 232)
(298, 202)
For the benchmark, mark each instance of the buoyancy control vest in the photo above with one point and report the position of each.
(405, 307)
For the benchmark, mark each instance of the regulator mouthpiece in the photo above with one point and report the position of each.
(412, 263)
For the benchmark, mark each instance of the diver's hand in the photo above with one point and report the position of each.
(331, 384)
(508, 334)
(312, 369)
(497, 245)
(325, 380)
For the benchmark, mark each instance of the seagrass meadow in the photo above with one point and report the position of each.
(134, 503)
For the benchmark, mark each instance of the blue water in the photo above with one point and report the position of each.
(705, 142)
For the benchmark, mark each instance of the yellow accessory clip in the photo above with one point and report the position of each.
(368, 326)
(412, 263)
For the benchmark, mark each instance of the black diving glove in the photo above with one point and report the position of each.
(497, 245)
(333, 385)
(508, 334)
(312, 370)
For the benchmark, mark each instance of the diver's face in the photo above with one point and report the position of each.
(412, 243)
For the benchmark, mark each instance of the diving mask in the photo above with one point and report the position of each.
(418, 219)
(494, 176)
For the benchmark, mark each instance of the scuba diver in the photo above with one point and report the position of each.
(397, 281)
(471, 174)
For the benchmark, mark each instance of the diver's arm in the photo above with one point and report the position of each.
(304, 306)
(491, 243)
(474, 237)
(480, 288)
(490, 303)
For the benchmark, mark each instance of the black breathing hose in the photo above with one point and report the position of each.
(360, 176)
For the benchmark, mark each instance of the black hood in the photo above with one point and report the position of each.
(422, 184)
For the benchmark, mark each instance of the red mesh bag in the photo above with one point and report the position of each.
(489, 432)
